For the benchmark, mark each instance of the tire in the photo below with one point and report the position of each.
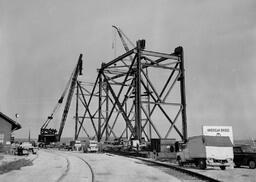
(237, 164)
(196, 163)
(222, 167)
(179, 161)
(202, 163)
(252, 164)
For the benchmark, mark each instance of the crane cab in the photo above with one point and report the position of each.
(48, 136)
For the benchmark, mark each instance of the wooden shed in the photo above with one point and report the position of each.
(7, 126)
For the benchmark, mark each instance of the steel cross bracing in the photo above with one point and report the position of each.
(140, 94)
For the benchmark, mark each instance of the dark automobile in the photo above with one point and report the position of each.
(245, 155)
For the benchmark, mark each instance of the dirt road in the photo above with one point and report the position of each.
(61, 166)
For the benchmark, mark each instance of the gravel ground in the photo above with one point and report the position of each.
(106, 168)
(46, 167)
(183, 177)
(61, 166)
(231, 174)
(243, 174)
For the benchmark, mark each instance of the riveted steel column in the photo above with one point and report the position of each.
(138, 130)
(107, 108)
(180, 53)
(126, 125)
(148, 107)
(76, 120)
(99, 112)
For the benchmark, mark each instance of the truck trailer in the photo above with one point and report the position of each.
(203, 151)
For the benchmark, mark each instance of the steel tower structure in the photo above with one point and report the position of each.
(140, 94)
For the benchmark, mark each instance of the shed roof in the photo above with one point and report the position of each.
(15, 125)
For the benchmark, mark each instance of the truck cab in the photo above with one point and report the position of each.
(245, 155)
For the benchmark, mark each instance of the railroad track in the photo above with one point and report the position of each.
(179, 172)
(64, 174)
(92, 172)
(67, 170)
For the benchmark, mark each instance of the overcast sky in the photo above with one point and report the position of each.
(40, 42)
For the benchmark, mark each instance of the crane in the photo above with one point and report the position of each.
(77, 71)
(48, 135)
(122, 36)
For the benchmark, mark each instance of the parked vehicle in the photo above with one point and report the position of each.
(206, 151)
(245, 155)
(23, 148)
(138, 145)
(64, 146)
(28, 147)
(68, 147)
(77, 145)
(89, 146)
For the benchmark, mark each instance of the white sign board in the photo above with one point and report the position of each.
(218, 131)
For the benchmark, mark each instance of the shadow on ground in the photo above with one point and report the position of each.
(15, 165)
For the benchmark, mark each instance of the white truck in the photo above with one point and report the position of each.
(206, 151)
(90, 146)
(77, 145)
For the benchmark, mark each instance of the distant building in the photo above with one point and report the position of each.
(7, 126)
